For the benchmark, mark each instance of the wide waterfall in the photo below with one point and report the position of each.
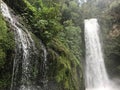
(96, 77)
(25, 67)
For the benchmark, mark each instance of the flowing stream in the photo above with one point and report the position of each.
(25, 63)
(96, 77)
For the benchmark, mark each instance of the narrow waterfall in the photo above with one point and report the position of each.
(96, 76)
(44, 69)
(25, 51)
(25, 67)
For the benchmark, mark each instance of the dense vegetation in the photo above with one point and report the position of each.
(49, 21)
(112, 39)
(6, 53)
(108, 14)
(59, 24)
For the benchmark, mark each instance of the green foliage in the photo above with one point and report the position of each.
(29, 6)
(47, 22)
(94, 8)
(71, 37)
(57, 23)
(71, 11)
(108, 14)
(2, 58)
(115, 11)
(43, 18)
(36, 3)
(66, 52)
(6, 49)
(63, 66)
(3, 34)
(109, 22)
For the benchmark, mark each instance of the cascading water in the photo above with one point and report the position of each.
(44, 69)
(25, 51)
(96, 76)
(25, 63)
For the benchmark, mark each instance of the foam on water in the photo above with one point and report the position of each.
(96, 77)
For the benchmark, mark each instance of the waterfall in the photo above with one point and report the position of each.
(25, 67)
(96, 77)
(43, 68)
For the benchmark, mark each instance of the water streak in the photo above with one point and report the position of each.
(96, 76)
(24, 63)
(43, 71)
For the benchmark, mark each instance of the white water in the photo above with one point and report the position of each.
(26, 57)
(24, 50)
(96, 77)
(44, 68)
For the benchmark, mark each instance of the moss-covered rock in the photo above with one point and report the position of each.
(6, 54)
(64, 67)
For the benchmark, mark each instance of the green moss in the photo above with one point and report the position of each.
(29, 6)
(2, 58)
(36, 41)
(3, 35)
(63, 66)
(7, 45)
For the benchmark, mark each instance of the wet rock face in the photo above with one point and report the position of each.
(65, 74)
(115, 32)
(25, 65)
(6, 54)
(17, 5)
